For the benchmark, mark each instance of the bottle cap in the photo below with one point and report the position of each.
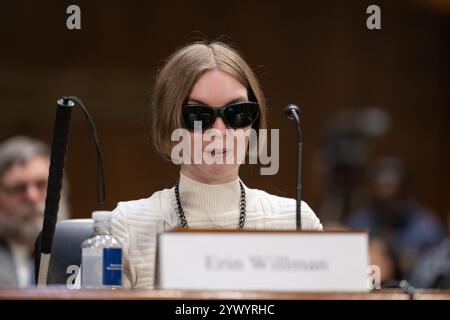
(101, 215)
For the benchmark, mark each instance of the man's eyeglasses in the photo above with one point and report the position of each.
(21, 188)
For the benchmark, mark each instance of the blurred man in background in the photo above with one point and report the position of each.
(407, 229)
(433, 270)
(342, 160)
(24, 167)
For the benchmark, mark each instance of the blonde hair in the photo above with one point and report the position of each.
(179, 74)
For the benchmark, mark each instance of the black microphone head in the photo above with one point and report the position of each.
(290, 109)
(65, 102)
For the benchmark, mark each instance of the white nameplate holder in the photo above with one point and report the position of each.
(310, 261)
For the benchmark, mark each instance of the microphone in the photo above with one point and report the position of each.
(293, 113)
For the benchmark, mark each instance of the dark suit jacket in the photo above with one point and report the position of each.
(8, 275)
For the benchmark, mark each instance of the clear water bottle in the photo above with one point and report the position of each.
(101, 256)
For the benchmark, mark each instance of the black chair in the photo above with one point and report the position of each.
(66, 249)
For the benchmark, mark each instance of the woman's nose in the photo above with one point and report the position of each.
(219, 124)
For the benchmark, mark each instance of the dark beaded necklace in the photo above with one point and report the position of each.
(182, 218)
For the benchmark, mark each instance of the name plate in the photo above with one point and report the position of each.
(311, 261)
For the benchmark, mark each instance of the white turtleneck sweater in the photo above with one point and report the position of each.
(137, 223)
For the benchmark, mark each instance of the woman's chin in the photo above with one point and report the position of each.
(220, 169)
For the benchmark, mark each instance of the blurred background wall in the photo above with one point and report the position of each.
(318, 54)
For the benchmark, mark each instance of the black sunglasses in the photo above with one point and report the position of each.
(236, 115)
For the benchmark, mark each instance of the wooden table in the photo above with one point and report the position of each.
(63, 293)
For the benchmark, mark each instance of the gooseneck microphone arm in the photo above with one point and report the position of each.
(293, 113)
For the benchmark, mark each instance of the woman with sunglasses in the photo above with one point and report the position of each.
(210, 86)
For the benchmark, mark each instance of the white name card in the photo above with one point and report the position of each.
(263, 260)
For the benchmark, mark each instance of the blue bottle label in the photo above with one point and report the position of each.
(112, 266)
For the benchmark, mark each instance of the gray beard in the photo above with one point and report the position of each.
(24, 226)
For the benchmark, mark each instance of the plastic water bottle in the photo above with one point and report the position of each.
(101, 256)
